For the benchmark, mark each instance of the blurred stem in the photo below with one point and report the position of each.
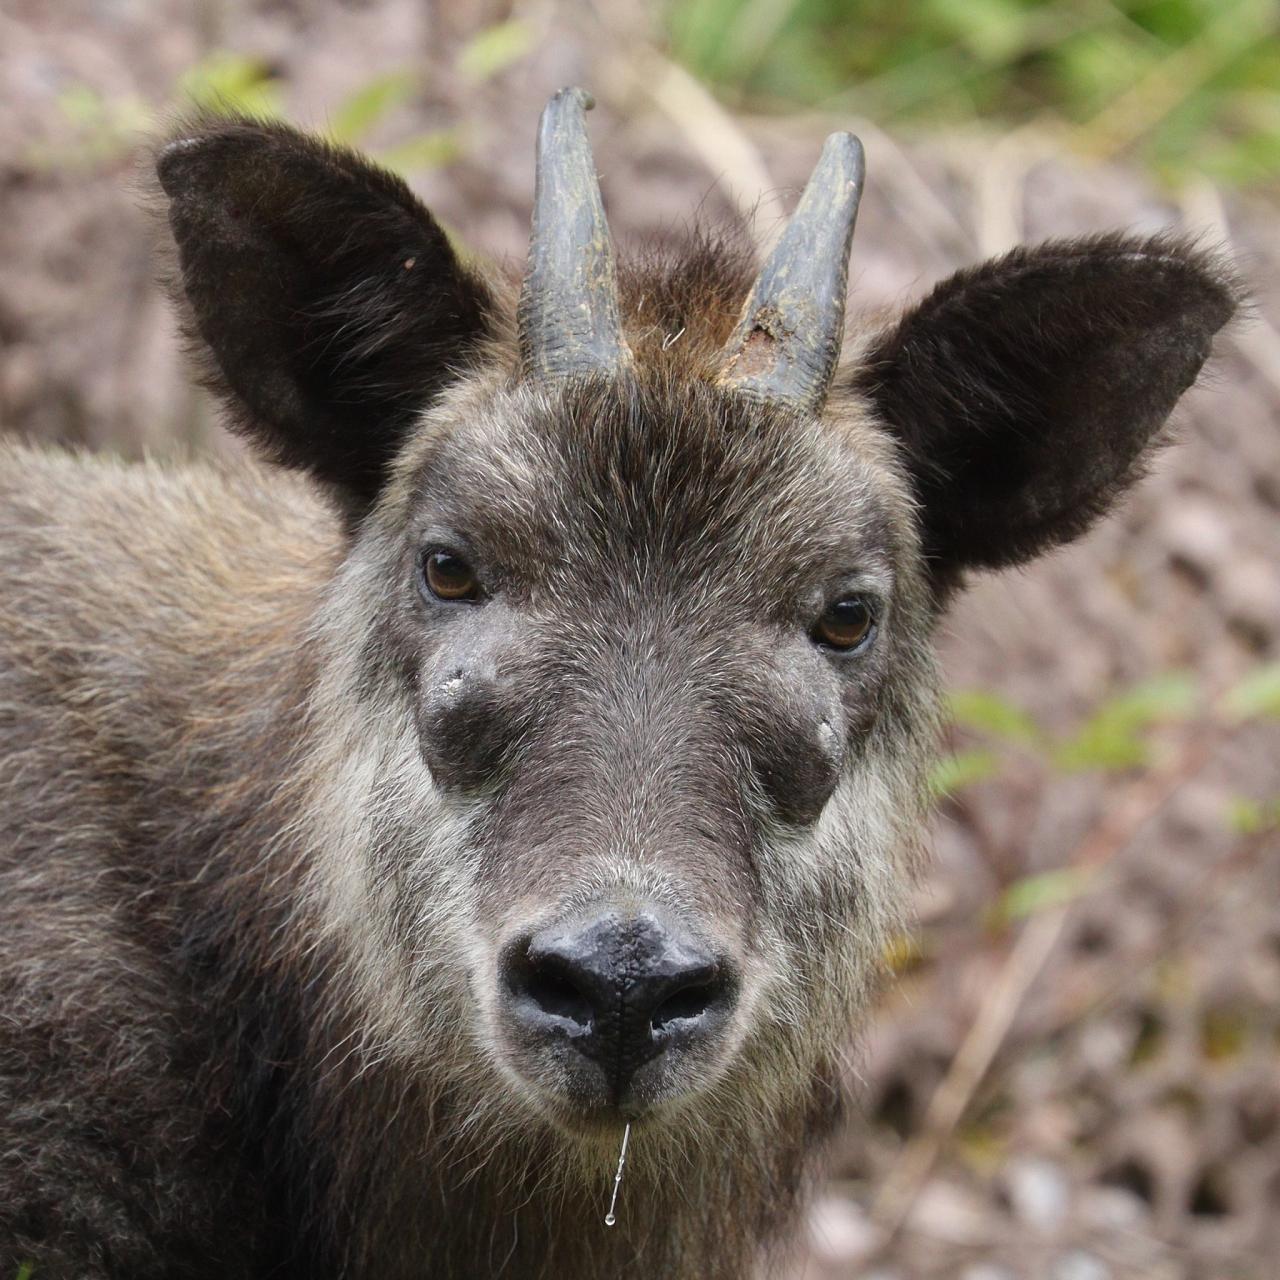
(755, 29)
(1171, 82)
(906, 87)
(714, 136)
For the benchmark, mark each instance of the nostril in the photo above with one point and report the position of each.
(688, 1003)
(547, 984)
(555, 994)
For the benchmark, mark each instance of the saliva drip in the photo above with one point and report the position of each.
(610, 1218)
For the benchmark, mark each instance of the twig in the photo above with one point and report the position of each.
(999, 193)
(949, 1103)
(719, 142)
(923, 210)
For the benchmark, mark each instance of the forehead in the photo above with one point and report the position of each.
(617, 478)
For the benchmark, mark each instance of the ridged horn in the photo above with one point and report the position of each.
(569, 321)
(787, 342)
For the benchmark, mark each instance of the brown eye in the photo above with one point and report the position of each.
(846, 624)
(449, 576)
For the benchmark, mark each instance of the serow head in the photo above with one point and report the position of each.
(624, 670)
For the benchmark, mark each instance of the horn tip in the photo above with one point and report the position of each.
(846, 150)
(573, 94)
(797, 301)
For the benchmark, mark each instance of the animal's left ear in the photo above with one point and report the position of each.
(1027, 392)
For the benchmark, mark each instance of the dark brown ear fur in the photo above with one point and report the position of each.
(330, 302)
(1026, 392)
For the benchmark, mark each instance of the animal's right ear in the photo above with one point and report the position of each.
(330, 302)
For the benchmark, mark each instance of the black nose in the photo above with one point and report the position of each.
(622, 990)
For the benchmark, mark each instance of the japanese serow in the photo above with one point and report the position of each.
(529, 742)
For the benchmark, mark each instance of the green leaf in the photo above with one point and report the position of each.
(25, 1271)
(426, 151)
(106, 127)
(1252, 817)
(1112, 738)
(1224, 1033)
(1004, 62)
(1036, 893)
(495, 49)
(1101, 747)
(961, 769)
(903, 951)
(82, 105)
(1171, 696)
(1258, 694)
(992, 30)
(227, 83)
(989, 713)
(359, 113)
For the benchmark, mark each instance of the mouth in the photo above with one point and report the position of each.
(577, 1096)
(592, 1119)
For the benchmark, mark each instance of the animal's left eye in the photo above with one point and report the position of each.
(846, 624)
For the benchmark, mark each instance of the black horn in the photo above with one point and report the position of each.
(786, 344)
(569, 322)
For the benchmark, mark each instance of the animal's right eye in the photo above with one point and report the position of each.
(846, 625)
(447, 576)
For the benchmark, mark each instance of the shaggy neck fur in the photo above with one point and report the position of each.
(358, 1137)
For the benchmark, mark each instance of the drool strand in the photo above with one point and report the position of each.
(610, 1218)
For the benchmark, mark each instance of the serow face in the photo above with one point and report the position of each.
(645, 642)
(625, 678)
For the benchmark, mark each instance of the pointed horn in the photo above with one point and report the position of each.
(787, 342)
(569, 322)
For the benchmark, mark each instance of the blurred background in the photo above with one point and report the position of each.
(1076, 1072)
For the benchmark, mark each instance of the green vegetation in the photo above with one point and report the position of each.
(1115, 736)
(1183, 86)
(232, 83)
(229, 83)
(1119, 735)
